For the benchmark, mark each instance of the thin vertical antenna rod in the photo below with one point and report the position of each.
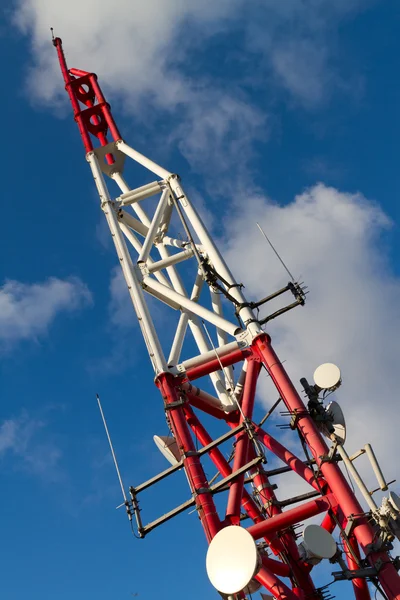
(270, 243)
(112, 449)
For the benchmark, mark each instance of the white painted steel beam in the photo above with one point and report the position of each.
(185, 302)
(143, 160)
(131, 237)
(145, 321)
(172, 260)
(124, 187)
(152, 233)
(133, 223)
(141, 193)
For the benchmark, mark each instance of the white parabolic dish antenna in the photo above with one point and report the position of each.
(327, 376)
(394, 501)
(232, 559)
(318, 542)
(168, 448)
(339, 424)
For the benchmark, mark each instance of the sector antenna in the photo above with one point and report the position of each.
(207, 356)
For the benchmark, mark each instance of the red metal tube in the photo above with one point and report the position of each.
(205, 407)
(347, 501)
(287, 457)
(291, 517)
(328, 522)
(274, 585)
(215, 364)
(197, 478)
(277, 567)
(286, 539)
(221, 463)
(360, 585)
(242, 441)
(78, 72)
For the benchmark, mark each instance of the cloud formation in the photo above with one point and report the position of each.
(22, 438)
(155, 58)
(27, 310)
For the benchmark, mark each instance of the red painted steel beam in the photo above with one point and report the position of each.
(274, 585)
(277, 567)
(360, 585)
(292, 516)
(242, 441)
(96, 119)
(287, 538)
(288, 457)
(214, 364)
(248, 504)
(328, 522)
(208, 408)
(194, 470)
(221, 463)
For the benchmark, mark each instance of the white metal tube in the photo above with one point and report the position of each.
(240, 382)
(177, 343)
(222, 338)
(138, 247)
(139, 194)
(169, 241)
(361, 485)
(198, 286)
(201, 359)
(143, 160)
(124, 187)
(191, 306)
(195, 327)
(180, 332)
(163, 299)
(208, 398)
(172, 260)
(133, 223)
(145, 321)
(158, 215)
(218, 262)
(376, 468)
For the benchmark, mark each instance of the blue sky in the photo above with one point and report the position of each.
(253, 105)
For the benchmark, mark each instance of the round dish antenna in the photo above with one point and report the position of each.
(168, 448)
(394, 501)
(339, 424)
(232, 560)
(317, 544)
(327, 377)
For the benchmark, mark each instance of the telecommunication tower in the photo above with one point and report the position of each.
(215, 316)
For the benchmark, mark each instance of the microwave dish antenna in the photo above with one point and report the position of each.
(318, 544)
(327, 377)
(168, 448)
(336, 419)
(232, 560)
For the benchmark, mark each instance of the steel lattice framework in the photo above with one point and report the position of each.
(151, 257)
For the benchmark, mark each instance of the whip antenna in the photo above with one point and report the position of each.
(270, 243)
(112, 452)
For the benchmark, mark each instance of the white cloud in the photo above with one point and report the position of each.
(133, 44)
(120, 307)
(27, 310)
(22, 438)
(150, 56)
(352, 316)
